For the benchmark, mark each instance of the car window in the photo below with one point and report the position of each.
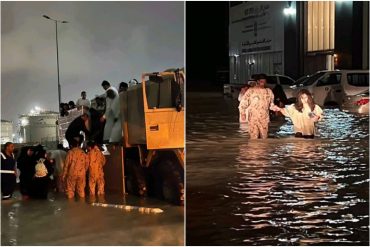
(358, 80)
(285, 81)
(329, 79)
(301, 80)
(313, 78)
(271, 80)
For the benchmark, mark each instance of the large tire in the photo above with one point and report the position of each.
(170, 180)
(135, 178)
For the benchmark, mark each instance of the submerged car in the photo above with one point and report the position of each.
(233, 90)
(329, 88)
(290, 91)
(356, 103)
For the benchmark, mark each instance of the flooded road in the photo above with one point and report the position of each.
(279, 191)
(58, 221)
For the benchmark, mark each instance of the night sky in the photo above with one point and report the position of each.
(206, 41)
(114, 41)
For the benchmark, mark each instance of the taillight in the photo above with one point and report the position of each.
(362, 102)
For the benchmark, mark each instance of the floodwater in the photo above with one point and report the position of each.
(279, 191)
(58, 221)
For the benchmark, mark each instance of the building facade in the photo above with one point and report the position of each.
(38, 127)
(6, 131)
(297, 38)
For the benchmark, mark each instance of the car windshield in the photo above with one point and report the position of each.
(313, 78)
(301, 80)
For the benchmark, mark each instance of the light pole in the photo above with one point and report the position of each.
(56, 39)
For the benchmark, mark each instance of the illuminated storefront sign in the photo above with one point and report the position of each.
(320, 25)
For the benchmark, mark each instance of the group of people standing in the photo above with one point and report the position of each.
(257, 100)
(35, 171)
(38, 168)
(101, 123)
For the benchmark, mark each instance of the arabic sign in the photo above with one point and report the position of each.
(257, 27)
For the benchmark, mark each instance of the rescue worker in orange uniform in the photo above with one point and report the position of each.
(256, 102)
(96, 173)
(74, 171)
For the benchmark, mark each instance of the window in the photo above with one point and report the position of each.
(313, 78)
(285, 81)
(271, 80)
(329, 79)
(320, 25)
(358, 80)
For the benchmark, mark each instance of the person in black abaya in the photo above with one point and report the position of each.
(41, 178)
(26, 165)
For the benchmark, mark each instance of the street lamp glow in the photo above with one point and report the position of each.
(289, 11)
(20, 139)
(32, 111)
(37, 108)
(24, 122)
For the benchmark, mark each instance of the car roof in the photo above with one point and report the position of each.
(345, 71)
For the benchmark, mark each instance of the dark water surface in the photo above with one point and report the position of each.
(58, 221)
(279, 191)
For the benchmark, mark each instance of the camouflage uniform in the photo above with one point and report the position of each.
(74, 172)
(96, 173)
(256, 102)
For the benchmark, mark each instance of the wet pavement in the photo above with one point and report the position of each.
(58, 221)
(279, 191)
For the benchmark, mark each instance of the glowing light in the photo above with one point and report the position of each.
(24, 122)
(32, 111)
(20, 139)
(37, 108)
(289, 11)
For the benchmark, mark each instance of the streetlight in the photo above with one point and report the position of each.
(56, 38)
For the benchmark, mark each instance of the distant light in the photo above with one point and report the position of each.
(37, 108)
(24, 122)
(289, 11)
(20, 139)
(236, 55)
(32, 111)
(13, 135)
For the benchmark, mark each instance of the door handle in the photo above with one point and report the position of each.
(154, 127)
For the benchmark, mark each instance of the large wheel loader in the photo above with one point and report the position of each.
(153, 136)
(149, 161)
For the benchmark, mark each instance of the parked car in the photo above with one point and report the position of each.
(233, 90)
(329, 88)
(290, 91)
(283, 80)
(356, 103)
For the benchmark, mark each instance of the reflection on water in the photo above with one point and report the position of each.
(58, 221)
(279, 191)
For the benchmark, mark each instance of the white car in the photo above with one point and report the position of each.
(329, 88)
(290, 91)
(233, 90)
(356, 103)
